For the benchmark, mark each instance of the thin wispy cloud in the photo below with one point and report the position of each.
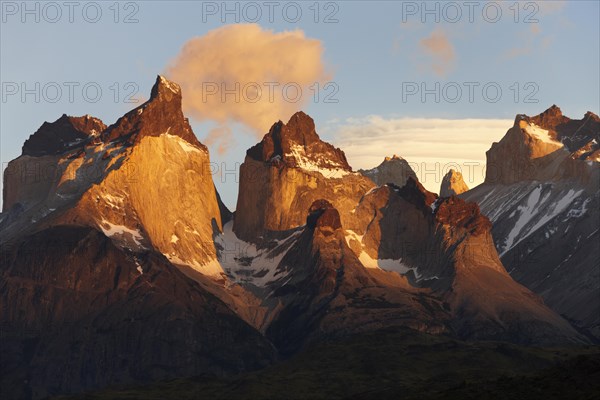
(531, 38)
(549, 7)
(441, 51)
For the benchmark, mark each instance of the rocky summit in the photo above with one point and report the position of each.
(121, 265)
(393, 169)
(286, 172)
(453, 184)
(541, 193)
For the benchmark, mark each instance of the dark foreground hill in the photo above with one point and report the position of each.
(393, 364)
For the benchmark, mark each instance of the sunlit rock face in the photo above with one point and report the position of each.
(541, 193)
(145, 181)
(286, 172)
(546, 147)
(101, 231)
(453, 184)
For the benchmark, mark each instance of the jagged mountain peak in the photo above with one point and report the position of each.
(572, 132)
(164, 88)
(553, 110)
(141, 182)
(161, 114)
(549, 119)
(393, 158)
(592, 116)
(394, 169)
(297, 145)
(453, 184)
(301, 128)
(548, 146)
(283, 175)
(61, 135)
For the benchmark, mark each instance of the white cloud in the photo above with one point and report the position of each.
(431, 145)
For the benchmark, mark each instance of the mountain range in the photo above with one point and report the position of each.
(121, 265)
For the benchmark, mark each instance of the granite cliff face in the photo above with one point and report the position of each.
(542, 197)
(285, 173)
(144, 181)
(453, 184)
(546, 147)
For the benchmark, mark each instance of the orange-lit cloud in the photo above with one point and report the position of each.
(439, 47)
(238, 73)
(220, 136)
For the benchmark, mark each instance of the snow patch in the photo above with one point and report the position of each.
(210, 268)
(185, 146)
(526, 212)
(388, 265)
(173, 87)
(385, 264)
(578, 212)
(352, 235)
(244, 263)
(303, 162)
(539, 133)
(139, 267)
(118, 231)
(113, 201)
(536, 213)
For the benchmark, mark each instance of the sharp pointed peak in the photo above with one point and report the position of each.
(164, 88)
(553, 109)
(162, 113)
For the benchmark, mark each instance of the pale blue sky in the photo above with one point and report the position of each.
(370, 51)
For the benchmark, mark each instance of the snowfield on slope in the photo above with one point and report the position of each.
(244, 263)
(306, 164)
